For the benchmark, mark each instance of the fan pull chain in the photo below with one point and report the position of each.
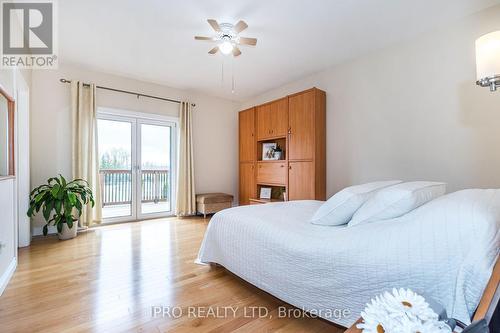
(232, 86)
(222, 74)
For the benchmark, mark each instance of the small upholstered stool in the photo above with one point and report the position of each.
(210, 203)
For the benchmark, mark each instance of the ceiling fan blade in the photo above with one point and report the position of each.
(214, 24)
(214, 50)
(203, 38)
(240, 26)
(248, 41)
(236, 51)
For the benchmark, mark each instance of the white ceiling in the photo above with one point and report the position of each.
(152, 40)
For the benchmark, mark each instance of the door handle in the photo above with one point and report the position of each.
(289, 130)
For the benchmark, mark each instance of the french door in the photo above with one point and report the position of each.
(136, 167)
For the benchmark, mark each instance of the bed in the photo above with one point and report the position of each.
(445, 249)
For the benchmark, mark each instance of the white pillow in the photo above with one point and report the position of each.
(340, 207)
(397, 200)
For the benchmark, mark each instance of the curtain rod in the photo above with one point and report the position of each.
(130, 93)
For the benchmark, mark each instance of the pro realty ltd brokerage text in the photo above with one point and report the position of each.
(222, 312)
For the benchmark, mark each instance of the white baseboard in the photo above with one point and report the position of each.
(7, 275)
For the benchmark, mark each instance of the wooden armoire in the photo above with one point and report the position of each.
(296, 123)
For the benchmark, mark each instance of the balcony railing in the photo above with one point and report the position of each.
(116, 186)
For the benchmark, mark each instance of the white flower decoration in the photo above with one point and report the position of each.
(376, 323)
(403, 311)
(408, 302)
(376, 318)
(431, 326)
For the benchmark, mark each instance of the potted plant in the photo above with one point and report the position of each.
(61, 203)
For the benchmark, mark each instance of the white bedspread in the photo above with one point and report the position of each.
(445, 249)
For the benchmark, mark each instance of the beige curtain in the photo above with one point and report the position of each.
(85, 158)
(186, 198)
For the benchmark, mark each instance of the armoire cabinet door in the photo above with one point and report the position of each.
(264, 121)
(272, 119)
(271, 173)
(247, 135)
(279, 117)
(301, 181)
(301, 120)
(248, 187)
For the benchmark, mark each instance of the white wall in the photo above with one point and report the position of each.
(7, 206)
(4, 136)
(23, 85)
(12, 80)
(8, 245)
(411, 111)
(214, 125)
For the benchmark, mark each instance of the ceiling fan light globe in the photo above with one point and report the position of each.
(226, 47)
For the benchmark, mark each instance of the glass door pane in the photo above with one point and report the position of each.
(155, 169)
(115, 167)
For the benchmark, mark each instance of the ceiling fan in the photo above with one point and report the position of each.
(228, 38)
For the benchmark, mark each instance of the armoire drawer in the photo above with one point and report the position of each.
(271, 172)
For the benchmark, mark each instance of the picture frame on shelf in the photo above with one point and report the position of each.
(265, 193)
(268, 151)
(277, 153)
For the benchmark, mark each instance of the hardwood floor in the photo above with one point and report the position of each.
(109, 279)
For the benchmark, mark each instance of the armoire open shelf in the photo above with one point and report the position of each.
(297, 123)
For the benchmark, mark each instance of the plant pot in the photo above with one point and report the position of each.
(67, 232)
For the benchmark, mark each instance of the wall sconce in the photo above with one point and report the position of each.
(488, 60)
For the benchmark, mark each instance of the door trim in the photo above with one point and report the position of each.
(135, 114)
(136, 119)
(133, 163)
(173, 167)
